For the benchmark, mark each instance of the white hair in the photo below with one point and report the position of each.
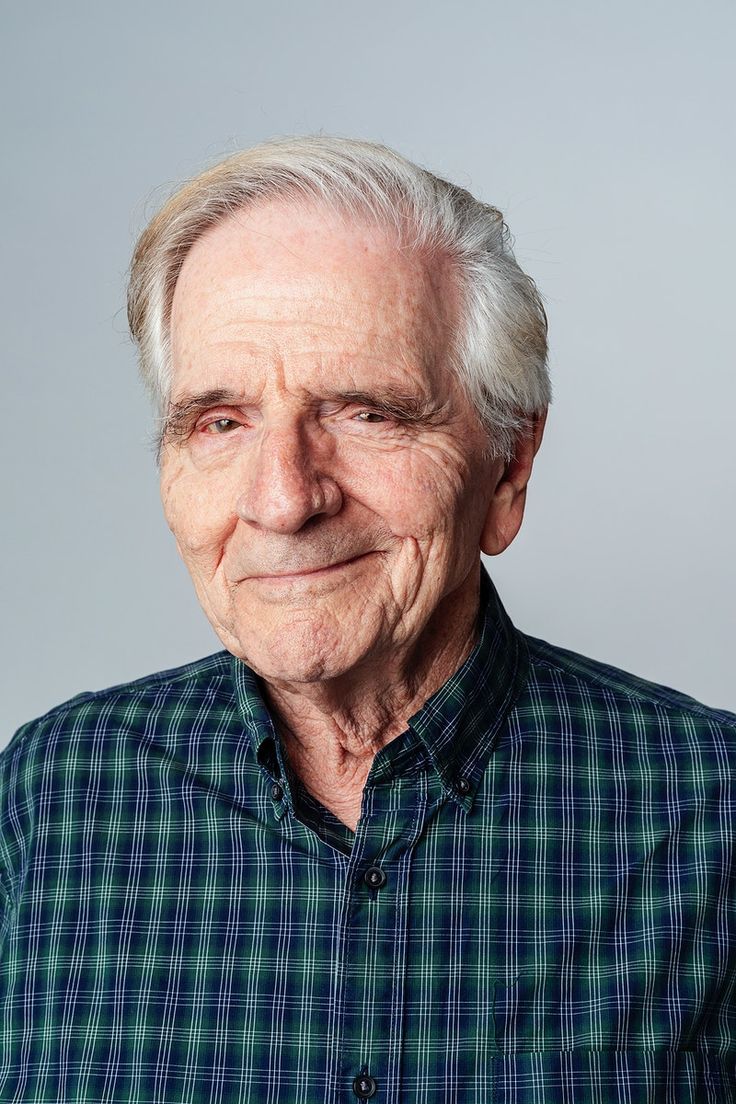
(499, 351)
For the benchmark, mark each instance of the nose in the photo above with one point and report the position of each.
(286, 483)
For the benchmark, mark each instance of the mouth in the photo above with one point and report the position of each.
(309, 573)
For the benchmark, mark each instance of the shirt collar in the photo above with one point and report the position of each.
(460, 724)
(455, 730)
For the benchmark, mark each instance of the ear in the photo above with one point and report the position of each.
(506, 508)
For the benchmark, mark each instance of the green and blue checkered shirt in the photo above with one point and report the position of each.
(538, 905)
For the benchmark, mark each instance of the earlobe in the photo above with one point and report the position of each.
(504, 518)
(506, 508)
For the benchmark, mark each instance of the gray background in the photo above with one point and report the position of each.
(604, 132)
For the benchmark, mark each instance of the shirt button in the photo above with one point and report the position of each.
(364, 1086)
(463, 786)
(374, 878)
(276, 792)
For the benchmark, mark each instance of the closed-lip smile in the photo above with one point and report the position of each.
(287, 576)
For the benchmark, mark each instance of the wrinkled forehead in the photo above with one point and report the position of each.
(300, 274)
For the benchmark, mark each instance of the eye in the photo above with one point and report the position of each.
(221, 425)
(371, 416)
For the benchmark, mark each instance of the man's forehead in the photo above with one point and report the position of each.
(272, 246)
(286, 229)
(305, 281)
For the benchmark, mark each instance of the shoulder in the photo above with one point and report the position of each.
(100, 746)
(599, 696)
(140, 704)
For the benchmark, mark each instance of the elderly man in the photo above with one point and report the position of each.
(384, 845)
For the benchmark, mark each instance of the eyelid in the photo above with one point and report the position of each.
(352, 407)
(365, 406)
(218, 414)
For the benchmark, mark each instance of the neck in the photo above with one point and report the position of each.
(332, 730)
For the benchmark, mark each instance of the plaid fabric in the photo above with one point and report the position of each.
(537, 906)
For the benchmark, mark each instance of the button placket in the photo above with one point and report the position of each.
(375, 974)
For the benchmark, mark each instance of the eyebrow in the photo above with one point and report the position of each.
(408, 408)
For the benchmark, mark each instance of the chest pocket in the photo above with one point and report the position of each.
(613, 1077)
(575, 1039)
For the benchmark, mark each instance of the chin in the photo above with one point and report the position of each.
(304, 649)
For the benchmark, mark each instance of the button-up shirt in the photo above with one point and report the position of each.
(537, 905)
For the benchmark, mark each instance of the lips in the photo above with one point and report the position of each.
(302, 571)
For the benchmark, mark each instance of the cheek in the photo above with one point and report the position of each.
(417, 495)
(196, 512)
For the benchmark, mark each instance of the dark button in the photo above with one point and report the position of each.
(463, 786)
(276, 792)
(364, 1086)
(374, 877)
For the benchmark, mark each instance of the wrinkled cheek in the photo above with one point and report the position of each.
(190, 518)
(210, 584)
(418, 500)
(202, 553)
(197, 546)
(201, 560)
(407, 510)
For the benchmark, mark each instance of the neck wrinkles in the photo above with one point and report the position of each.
(354, 716)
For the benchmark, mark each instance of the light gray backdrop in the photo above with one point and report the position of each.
(603, 131)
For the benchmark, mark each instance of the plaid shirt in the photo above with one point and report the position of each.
(538, 904)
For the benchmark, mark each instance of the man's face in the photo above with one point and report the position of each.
(324, 475)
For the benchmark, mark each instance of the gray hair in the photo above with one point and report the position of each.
(499, 351)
